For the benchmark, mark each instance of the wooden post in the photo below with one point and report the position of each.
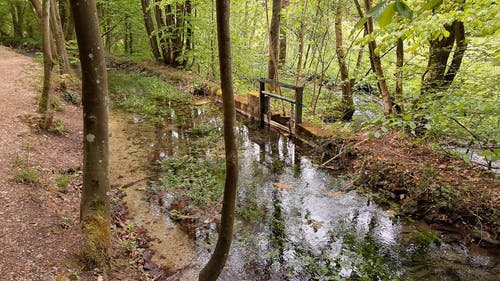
(262, 100)
(298, 110)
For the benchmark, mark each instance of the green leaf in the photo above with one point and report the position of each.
(377, 10)
(404, 10)
(360, 24)
(386, 17)
(407, 117)
(431, 4)
(377, 134)
(486, 153)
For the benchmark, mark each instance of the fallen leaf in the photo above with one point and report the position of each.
(282, 185)
(392, 212)
(334, 193)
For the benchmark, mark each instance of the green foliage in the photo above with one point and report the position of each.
(27, 175)
(426, 238)
(59, 127)
(199, 180)
(147, 96)
(62, 181)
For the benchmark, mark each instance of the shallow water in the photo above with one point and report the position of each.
(299, 222)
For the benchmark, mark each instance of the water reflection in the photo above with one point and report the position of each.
(295, 222)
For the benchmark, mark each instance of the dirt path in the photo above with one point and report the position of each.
(39, 231)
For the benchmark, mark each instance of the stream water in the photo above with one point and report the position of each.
(298, 222)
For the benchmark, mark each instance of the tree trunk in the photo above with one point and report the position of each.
(160, 25)
(398, 93)
(59, 37)
(347, 104)
(301, 42)
(177, 35)
(274, 33)
(66, 20)
(48, 63)
(377, 65)
(17, 9)
(437, 77)
(282, 43)
(213, 268)
(38, 10)
(148, 22)
(94, 208)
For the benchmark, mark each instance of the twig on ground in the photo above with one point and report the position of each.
(342, 151)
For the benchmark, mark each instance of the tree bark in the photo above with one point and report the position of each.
(148, 22)
(398, 93)
(377, 65)
(160, 25)
(94, 208)
(301, 42)
(437, 77)
(283, 41)
(347, 103)
(274, 33)
(48, 63)
(213, 268)
(59, 37)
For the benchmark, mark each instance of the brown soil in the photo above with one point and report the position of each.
(40, 230)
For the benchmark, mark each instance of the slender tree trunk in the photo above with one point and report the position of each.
(177, 36)
(398, 93)
(160, 25)
(48, 63)
(187, 22)
(59, 37)
(377, 65)
(170, 29)
(274, 33)
(347, 103)
(94, 209)
(282, 43)
(301, 42)
(148, 22)
(213, 268)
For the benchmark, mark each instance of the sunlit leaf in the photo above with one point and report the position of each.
(432, 4)
(360, 24)
(404, 10)
(377, 10)
(387, 15)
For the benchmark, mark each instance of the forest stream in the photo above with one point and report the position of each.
(296, 221)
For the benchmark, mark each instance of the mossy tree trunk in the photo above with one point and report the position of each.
(94, 209)
(214, 267)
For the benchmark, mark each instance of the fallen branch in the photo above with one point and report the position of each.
(342, 151)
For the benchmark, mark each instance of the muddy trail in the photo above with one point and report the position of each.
(295, 220)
